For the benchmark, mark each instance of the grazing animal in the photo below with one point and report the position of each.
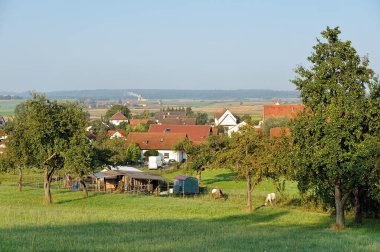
(271, 198)
(217, 193)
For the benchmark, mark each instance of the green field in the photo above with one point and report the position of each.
(7, 107)
(122, 222)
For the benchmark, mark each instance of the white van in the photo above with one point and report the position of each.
(155, 162)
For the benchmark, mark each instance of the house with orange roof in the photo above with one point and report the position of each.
(225, 118)
(278, 131)
(277, 111)
(135, 122)
(196, 133)
(162, 142)
(117, 134)
(282, 110)
(118, 118)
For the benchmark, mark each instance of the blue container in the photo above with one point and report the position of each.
(185, 185)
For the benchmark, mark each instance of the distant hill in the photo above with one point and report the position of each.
(114, 94)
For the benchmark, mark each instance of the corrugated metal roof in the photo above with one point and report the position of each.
(125, 168)
(131, 174)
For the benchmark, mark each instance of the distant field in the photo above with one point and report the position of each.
(245, 107)
(7, 107)
(122, 222)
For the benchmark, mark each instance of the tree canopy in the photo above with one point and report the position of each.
(46, 134)
(249, 154)
(341, 96)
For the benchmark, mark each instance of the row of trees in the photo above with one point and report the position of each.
(334, 149)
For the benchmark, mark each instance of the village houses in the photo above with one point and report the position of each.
(118, 118)
(225, 118)
(162, 142)
(278, 111)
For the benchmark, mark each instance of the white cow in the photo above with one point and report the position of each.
(271, 198)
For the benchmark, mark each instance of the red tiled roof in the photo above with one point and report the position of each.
(119, 116)
(196, 133)
(219, 115)
(155, 141)
(276, 132)
(135, 122)
(282, 110)
(121, 132)
(178, 121)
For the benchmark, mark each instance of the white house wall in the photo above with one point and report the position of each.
(178, 156)
(117, 122)
(228, 121)
(235, 128)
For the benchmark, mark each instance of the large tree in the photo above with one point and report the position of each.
(341, 94)
(45, 133)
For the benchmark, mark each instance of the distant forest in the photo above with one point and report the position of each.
(108, 94)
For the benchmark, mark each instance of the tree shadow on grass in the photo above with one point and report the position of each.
(80, 197)
(247, 232)
(220, 178)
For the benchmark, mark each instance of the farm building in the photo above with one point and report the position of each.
(161, 142)
(185, 185)
(128, 181)
(196, 133)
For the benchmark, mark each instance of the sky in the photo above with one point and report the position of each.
(172, 44)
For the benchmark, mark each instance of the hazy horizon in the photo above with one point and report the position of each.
(184, 45)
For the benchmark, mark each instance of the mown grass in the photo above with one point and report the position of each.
(122, 222)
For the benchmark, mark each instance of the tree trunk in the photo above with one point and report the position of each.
(339, 206)
(249, 190)
(85, 192)
(199, 176)
(20, 179)
(358, 206)
(47, 179)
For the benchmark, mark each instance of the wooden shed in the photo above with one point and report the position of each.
(185, 185)
(128, 181)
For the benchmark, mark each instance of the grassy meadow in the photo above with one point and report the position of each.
(124, 222)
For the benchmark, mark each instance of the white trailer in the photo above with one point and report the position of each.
(154, 162)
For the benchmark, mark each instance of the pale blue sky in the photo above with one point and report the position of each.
(200, 44)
